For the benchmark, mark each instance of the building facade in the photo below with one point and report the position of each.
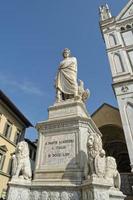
(12, 129)
(118, 37)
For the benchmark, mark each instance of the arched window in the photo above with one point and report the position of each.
(112, 40)
(130, 54)
(129, 112)
(118, 63)
(123, 29)
(128, 26)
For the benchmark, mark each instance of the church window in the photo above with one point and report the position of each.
(128, 37)
(129, 113)
(112, 40)
(123, 29)
(130, 54)
(118, 63)
(128, 26)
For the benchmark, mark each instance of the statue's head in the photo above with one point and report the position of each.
(66, 53)
(90, 141)
(22, 148)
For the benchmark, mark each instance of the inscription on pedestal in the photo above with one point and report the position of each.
(59, 150)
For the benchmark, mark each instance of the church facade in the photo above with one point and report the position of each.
(118, 37)
(108, 120)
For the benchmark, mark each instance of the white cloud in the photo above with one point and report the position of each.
(25, 86)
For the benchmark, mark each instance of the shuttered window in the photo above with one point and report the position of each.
(9, 170)
(2, 159)
(17, 136)
(0, 116)
(8, 129)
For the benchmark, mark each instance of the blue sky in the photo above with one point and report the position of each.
(33, 34)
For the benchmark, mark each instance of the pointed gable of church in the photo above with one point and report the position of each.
(126, 12)
(107, 114)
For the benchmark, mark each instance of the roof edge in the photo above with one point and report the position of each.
(13, 107)
(103, 106)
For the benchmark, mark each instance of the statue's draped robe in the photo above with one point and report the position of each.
(66, 80)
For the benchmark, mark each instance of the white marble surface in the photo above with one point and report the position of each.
(59, 149)
(19, 191)
(100, 189)
(62, 142)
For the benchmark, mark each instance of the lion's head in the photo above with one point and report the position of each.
(94, 142)
(22, 149)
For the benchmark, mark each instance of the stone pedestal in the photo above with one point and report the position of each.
(62, 152)
(62, 157)
(19, 190)
(100, 189)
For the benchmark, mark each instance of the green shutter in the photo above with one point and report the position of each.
(2, 162)
(9, 166)
(9, 132)
(5, 128)
(15, 137)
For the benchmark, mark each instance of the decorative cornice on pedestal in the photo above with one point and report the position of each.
(66, 109)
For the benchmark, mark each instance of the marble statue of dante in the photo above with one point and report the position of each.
(66, 80)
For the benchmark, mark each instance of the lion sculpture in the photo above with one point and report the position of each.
(21, 166)
(98, 164)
